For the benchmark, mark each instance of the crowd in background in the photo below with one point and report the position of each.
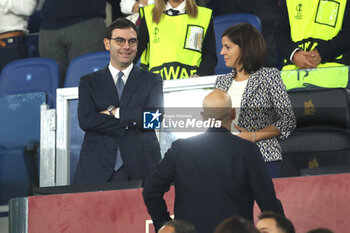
(72, 28)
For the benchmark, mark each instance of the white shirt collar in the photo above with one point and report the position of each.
(114, 72)
(181, 7)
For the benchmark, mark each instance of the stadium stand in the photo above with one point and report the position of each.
(30, 75)
(321, 142)
(19, 143)
(221, 23)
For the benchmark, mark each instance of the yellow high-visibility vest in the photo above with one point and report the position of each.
(311, 22)
(175, 44)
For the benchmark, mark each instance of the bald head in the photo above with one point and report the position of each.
(217, 104)
(217, 99)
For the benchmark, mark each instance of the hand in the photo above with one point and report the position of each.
(302, 59)
(107, 113)
(245, 134)
(194, 76)
(315, 57)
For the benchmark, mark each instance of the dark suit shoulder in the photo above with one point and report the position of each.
(94, 75)
(215, 137)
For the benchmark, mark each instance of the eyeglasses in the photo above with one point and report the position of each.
(121, 41)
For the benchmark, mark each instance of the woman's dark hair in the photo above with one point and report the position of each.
(236, 224)
(251, 43)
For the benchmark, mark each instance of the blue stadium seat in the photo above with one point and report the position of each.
(30, 75)
(221, 23)
(85, 64)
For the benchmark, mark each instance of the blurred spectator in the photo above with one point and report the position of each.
(310, 35)
(131, 8)
(177, 226)
(270, 222)
(320, 230)
(14, 15)
(177, 39)
(70, 28)
(236, 225)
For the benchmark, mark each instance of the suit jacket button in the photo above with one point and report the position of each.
(127, 127)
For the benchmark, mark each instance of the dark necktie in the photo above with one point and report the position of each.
(120, 84)
(120, 87)
(172, 12)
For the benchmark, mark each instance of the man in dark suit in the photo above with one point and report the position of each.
(216, 175)
(111, 104)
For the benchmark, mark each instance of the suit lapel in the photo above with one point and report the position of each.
(108, 86)
(134, 81)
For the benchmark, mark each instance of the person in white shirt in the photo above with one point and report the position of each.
(131, 8)
(14, 15)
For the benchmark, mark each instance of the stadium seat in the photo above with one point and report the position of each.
(30, 75)
(221, 23)
(85, 64)
(321, 142)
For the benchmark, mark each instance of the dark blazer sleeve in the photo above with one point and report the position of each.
(284, 43)
(132, 115)
(90, 118)
(209, 57)
(157, 184)
(260, 181)
(143, 37)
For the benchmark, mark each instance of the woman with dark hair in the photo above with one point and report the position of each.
(263, 109)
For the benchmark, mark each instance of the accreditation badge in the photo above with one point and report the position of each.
(194, 37)
(327, 13)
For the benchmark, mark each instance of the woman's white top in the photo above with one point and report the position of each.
(236, 92)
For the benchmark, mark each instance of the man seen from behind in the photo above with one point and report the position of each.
(216, 174)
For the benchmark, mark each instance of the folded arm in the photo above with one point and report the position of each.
(91, 119)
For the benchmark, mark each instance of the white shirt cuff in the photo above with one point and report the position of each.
(291, 56)
(117, 113)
